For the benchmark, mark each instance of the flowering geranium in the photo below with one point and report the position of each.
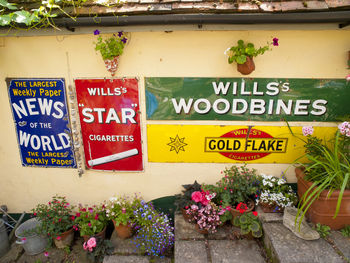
(202, 197)
(275, 192)
(207, 217)
(55, 217)
(91, 220)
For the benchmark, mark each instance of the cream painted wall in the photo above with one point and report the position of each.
(301, 54)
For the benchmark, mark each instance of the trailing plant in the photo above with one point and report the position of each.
(154, 231)
(241, 51)
(55, 217)
(91, 220)
(249, 223)
(329, 167)
(323, 230)
(346, 231)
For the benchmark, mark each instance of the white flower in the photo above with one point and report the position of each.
(113, 199)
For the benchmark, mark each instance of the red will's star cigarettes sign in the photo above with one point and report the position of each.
(110, 123)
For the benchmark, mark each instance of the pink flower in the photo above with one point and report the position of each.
(196, 196)
(58, 238)
(35, 214)
(275, 41)
(24, 239)
(347, 77)
(344, 128)
(96, 217)
(307, 130)
(89, 224)
(77, 214)
(46, 254)
(72, 218)
(123, 210)
(85, 246)
(91, 210)
(91, 242)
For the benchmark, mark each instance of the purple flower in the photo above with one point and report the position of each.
(124, 40)
(143, 215)
(149, 217)
(96, 32)
(307, 130)
(275, 41)
(120, 33)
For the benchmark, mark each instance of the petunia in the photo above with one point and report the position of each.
(96, 32)
(275, 41)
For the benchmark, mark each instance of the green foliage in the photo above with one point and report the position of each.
(91, 220)
(112, 46)
(346, 231)
(185, 198)
(55, 217)
(249, 223)
(323, 230)
(240, 52)
(121, 209)
(238, 185)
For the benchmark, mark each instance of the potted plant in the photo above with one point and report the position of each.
(323, 183)
(154, 232)
(275, 194)
(121, 211)
(243, 54)
(249, 224)
(184, 200)
(238, 185)
(111, 48)
(207, 218)
(91, 221)
(56, 220)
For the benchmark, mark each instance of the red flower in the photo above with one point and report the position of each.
(242, 207)
(96, 217)
(224, 188)
(58, 238)
(59, 220)
(35, 214)
(72, 217)
(83, 209)
(255, 213)
(186, 207)
(77, 214)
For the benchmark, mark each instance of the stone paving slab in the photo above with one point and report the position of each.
(123, 246)
(235, 251)
(224, 232)
(185, 230)
(269, 217)
(125, 259)
(190, 251)
(288, 248)
(342, 243)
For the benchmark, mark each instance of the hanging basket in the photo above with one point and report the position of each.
(112, 65)
(247, 67)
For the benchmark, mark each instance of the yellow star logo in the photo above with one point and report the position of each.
(177, 144)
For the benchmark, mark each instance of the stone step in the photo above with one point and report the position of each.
(285, 247)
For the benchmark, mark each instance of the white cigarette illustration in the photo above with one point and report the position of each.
(113, 157)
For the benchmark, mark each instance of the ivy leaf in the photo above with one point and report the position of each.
(5, 20)
(8, 5)
(23, 17)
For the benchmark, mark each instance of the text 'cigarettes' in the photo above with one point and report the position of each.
(113, 157)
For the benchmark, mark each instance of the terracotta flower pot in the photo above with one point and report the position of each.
(186, 216)
(65, 240)
(267, 208)
(100, 235)
(246, 68)
(235, 212)
(112, 65)
(201, 231)
(123, 231)
(322, 209)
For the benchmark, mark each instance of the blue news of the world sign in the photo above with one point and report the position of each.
(41, 117)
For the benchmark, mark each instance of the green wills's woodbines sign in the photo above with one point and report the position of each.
(259, 99)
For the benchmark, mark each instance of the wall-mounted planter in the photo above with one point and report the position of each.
(247, 67)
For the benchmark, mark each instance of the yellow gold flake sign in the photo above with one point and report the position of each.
(227, 144)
